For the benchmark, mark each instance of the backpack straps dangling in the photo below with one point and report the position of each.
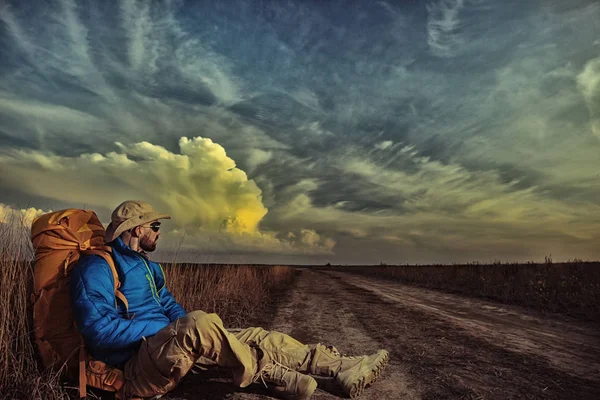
(82, 372)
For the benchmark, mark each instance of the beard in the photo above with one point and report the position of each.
(147, 244)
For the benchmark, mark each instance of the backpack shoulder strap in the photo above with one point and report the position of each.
(111, 379)
(105, 252)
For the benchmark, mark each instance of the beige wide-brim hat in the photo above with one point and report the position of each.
(130, 214)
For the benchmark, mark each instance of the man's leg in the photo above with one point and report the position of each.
(353, 374)
(166, 357)
(280, 347)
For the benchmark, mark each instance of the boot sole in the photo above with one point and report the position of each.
(371, 376)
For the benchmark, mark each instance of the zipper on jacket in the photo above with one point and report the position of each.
(164, 278)
(151, 282)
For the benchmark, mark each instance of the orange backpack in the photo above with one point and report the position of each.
(59, 239)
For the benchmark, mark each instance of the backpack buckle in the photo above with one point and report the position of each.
(111, 377)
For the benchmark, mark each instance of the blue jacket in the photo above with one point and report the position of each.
(113, 334)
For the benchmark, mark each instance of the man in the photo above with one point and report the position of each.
(156, 342)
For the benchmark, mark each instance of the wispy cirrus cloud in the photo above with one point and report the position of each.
(589, 84)
(429, 207)
(444, 27)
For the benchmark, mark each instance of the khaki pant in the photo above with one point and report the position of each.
(166, 357)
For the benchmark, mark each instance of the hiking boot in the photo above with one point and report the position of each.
(353, 374)
(283, 381)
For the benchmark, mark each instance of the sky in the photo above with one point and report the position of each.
(308, 132)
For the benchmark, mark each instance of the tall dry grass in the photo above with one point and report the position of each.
(20, 377)
(237, 293)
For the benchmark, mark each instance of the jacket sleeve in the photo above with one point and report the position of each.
(95, 312)
(172, 309)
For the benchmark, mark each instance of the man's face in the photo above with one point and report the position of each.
(149, 237)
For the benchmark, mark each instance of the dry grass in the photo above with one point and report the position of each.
(571, 288)
(236, 293)
(19, 374)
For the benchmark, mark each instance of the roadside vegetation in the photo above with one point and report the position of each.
(570, 288)
(237, 293)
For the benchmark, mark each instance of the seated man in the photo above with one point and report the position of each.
(156, 342)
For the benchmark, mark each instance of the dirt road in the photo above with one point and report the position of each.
(442, 346)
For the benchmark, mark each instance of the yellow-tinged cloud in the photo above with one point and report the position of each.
(200, 187)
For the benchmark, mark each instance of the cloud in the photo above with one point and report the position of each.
(314, 129)
(588, 82)
(10, 215)
(133, 71)
(436, 207)
(524, 119)
(142, 46)
(14, 28)
(392, 11)
(309, 238)
(257, 157)
(386, 144)
(44, 113)
(444, 27)
(200, 187)
(204, 244)
(304, 241)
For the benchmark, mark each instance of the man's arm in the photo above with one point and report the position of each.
(93, 300)
(172, 309)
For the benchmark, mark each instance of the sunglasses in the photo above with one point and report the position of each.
(155, 226)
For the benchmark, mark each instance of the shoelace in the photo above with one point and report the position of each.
(270, 370)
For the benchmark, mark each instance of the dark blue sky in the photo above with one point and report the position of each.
(361, 131)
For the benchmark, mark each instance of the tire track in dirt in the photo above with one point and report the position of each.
(569, 345)
(452, 361)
